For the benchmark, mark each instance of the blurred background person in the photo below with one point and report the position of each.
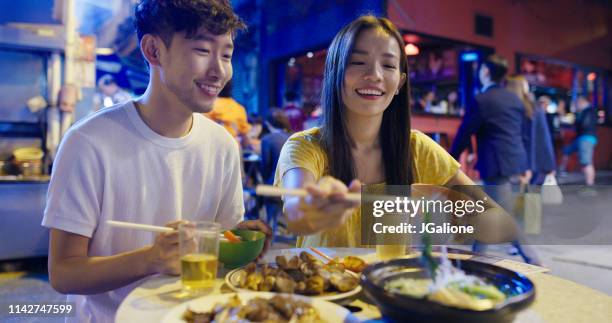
(497, 118)
(426, 101)
(453, 104)
(586, 139)
(313, 114)
(109, 93)
(541, 154)
(294, 112)
(271, 144)
(231, 115)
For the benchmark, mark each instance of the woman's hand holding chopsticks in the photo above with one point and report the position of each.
(325, 207)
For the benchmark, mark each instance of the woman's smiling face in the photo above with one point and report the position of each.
(372, 76)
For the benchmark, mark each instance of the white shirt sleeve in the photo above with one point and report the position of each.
(75, 190)
(231, 207)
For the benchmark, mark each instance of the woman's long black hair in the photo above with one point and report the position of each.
(395, 128)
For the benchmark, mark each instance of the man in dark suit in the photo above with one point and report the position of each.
(497, 118)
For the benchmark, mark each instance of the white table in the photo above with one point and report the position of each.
(557, 300)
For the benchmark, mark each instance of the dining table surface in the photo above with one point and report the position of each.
(557, 299)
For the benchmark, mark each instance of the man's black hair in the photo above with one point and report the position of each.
(498, 67)
(166, 17)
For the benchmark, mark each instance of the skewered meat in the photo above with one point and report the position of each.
(285, 285)
(303, 275)
(280, 309)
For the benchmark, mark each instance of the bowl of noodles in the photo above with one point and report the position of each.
(460, 291)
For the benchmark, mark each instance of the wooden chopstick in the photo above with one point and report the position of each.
(269, 190)
(146, 227)
(328, 258)
(273, 191)
(321, 253)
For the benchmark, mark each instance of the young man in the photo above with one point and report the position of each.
(156, 160)
(584, 144)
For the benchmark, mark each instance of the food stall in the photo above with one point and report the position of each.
(27, 54)
(47, 63)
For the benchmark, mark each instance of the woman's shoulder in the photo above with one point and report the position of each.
(419, 138)
(311, 136)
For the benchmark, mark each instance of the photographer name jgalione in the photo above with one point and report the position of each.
(404, 227)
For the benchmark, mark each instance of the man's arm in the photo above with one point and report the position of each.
(470, 124)
(73, 271)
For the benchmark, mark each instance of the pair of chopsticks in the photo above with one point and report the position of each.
(146, 227)
(328, 258)
(273, 191)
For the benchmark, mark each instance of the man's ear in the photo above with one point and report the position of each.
(151, 48)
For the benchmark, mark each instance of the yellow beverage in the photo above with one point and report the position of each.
(386, 252)
(198, 271)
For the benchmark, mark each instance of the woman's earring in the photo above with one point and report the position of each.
(397, 92)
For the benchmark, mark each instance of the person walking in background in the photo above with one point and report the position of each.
(271, 145)
(497, 118)
(294, 112)
(586, 139)
(231, 115)
(541, 155)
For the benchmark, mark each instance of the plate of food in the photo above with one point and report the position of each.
(303, 275)
(258, 307)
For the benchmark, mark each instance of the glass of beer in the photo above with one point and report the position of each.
(199, 251)
(392, 251)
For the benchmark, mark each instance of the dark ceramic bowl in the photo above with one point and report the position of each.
(519, 290)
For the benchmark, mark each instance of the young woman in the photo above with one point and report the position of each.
(541, 152)
(365, 138)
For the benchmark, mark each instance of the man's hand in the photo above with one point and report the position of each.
(258, 225)
(525, 178)
(164, 254)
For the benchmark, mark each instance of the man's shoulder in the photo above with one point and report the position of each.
(498, 97)
(210, 130)
(100, 121)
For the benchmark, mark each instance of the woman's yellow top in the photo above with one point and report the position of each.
(431, 164)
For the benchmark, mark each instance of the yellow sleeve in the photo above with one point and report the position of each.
(300, 151)
(431, 163)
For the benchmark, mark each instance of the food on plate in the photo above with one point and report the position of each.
(231, 237)
(305, 275)
(451, 286)
(354, 264)
(277, 309)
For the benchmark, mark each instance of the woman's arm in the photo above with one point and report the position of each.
(494, 225)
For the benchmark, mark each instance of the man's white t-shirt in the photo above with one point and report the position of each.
(112, 166)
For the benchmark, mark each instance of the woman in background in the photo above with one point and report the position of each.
(541, 155)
